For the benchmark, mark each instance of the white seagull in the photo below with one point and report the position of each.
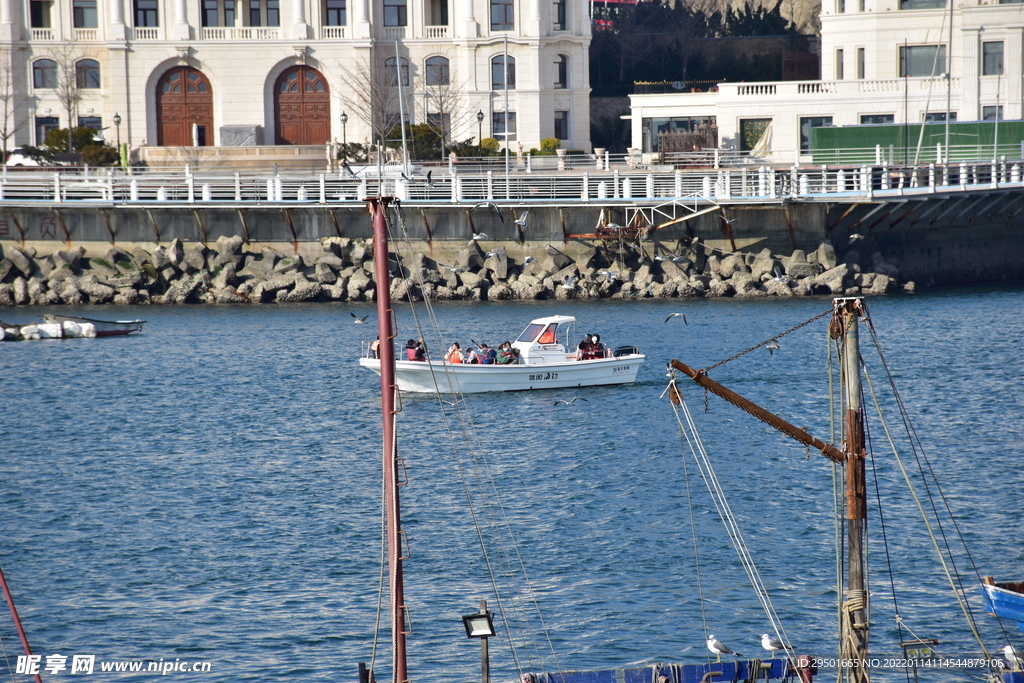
(568, 283)
(492, 253)
(610, 274)
(358, 320)
(569, 403)
(1014, 656)
(454, 270)
(773, 346)
(720, 648)
(677, 315)
(771, 644)
(348, 169)
(492, 205)
(521, 221)
(480, 236)
(528, 259)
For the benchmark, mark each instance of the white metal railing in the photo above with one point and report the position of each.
(87, 35)
(145, 33)
(332, 32)
(254, 33)
(394, 32)
(437, 32)
(41, 34)
(756, 184)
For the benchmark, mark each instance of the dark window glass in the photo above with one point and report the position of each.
(992, 59)
(437, 71)
(498, 125)
(44, 124)
(146, 13)
(867, 119)
(922, 4)
(211, 17)
(560, 21)
(498, 72)
(254, 13)
(94, 122)
(751, 131)
(40, 13)
(389, 70)
(87, 73)
(806, 124)
(394, 13)
(502, 15)
(860, 62)
(562, 125)
(992, 113)
(229, 12)
(561, 72)
(85, 13)
(44, 73)
(923, 61)
(273, 12)
(336, 11)
(939, 117)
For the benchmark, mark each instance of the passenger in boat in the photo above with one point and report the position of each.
(583, 350)
(473, 356)
(421, 350)
(596, 347)
(375, 347)
(506, 354)
(410, 349)
(454, 354)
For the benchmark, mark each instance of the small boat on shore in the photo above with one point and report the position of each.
(546, 361)
(68, 327)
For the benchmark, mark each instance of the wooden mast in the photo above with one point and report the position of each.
(388, 388)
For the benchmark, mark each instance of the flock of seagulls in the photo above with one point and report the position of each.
(769, 643)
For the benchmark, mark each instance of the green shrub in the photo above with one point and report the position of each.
(491, 145)
(549, 145)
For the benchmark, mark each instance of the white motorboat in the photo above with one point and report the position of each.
(547, 360)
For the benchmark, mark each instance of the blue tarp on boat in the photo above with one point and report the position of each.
(677, 673)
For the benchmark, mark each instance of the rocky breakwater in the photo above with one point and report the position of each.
(338, 269)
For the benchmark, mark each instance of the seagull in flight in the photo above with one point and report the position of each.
(358, 320)
(720, 648)
(493, 206)
(430, 178)
(348, 169)
(773, 346)
(662, 258)
(729, 221)
(453, 403)
(492, 253)
(569, 403)
(480, 236)
(568, 283)
(521, 221)
(455, 269)
(771, 644)
(854, 237)
(1014, 656)
(677, 315)
(528, 259)
(610, 274)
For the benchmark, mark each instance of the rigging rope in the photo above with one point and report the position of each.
(766, 341)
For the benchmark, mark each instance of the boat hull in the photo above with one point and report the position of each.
(104, 328)
(420, 376)
(1004, 602)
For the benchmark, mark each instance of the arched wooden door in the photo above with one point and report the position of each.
(184, 108)
(302, 107)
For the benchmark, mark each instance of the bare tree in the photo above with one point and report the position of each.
(10, 102)
(370, 91)
(443, 105)
(68, 91)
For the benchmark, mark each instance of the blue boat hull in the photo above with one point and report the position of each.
(1006, 601)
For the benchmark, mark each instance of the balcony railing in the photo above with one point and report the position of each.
(87, 35)
(255, 33)
(437, 32)
(42, 34)
(145, 34)
(332, 32)
(394, 32)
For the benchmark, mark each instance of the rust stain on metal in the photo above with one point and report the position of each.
(291, 226)
(245, 227)
(469, 217)
(18, 226)
(152, 221)
(199, 220)
(334, 219)
(561, 217)
(106, 219)
(841, 218)
(426, 225)
(64, 227)
(789, 227)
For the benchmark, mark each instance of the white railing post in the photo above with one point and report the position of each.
(725, 178)
(824, 178)
(678, 183)
(762, 182)
(56, 187)
(238, 186)
(963, 175)
(270, 189)
(706, 186)
(602, 190)
(994, 174)
(1014, 177)
(627, 188)
(110, 188)
(490, 185)
(1, 191)
(840, 180)
(650, 186)
(529, 163)
(323, 189)
(717, 159)
(772, 188)
(793, 173)
(615, 184)
(885, 175)
(585, 195)
(938, 151)
(206, 192)
(362, 190)
(931, 177)
(161, 194)
(878, 155)
(134, 190)
(805, 185)
(190, 181)
(608, 157)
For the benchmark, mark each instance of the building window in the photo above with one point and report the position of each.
(85, 13)
(87, 73)
(502, 15)
(94, 122)
(218, 13)
(44, 73)
(561, 72)
(498, 125)
(394, 12)
(922, 4)
(922, 61)
(392, 77)
(860, 63)
(562, 125)
(861, 5)
(336, 13)
(992, 59)
(806, 124)
(39, 13)
(992, 113)
(273, 12)
(44, 124)
(751, 132)
(840, 6)
(438, 71)
(146, 14)
(939, 117)
(839, 65)
(440, 123)
(498, 72)
(653, 127)
(876, 119)
(560, 18)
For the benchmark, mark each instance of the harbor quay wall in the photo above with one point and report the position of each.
(59, 253)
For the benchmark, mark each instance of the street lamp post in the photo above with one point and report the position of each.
(479, 126)
(344, 136)
(117, 125)
(481, 626)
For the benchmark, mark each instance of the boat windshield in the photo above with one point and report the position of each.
(549, 335)
(530, 333)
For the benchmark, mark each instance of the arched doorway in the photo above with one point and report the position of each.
(184, 108)
(302, 107)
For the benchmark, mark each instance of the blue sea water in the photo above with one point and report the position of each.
(209, 490)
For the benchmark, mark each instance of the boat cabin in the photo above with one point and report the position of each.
(545, 340)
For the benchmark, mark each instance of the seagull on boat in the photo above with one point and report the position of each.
(610, 274)
(773, 346)
(521, 221)
(480, 236)
(614, 226)
(1014, 656)
(720, 648)
(492, 205)
(677, 315)
(568, 283)
(773, 645)
(455, 269)
(348, 169)
(358, 320)
(569, 403)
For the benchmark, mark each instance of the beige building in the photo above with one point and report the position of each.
(216, 72)
(882, 61)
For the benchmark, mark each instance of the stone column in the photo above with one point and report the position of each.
(300, 29)
(181, 27)
(533, 27)
(1012, 70)
(6, 21)
(361, 19)
(969, 79)
(117, 28)
(470, 29)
